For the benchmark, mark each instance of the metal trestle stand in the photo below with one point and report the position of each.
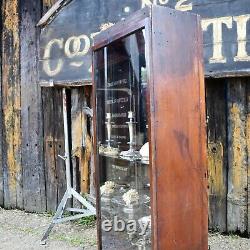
(70, 192)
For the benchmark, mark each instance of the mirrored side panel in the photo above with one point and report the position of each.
(123, 148)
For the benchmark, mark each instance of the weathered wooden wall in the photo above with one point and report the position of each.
(32, 176)
(11, 105)
(228, 116)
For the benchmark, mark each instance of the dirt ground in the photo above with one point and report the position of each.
(23, 231)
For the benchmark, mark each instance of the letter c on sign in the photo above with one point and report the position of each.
(46, 58)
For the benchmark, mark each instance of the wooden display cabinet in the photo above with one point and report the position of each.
(150, 137)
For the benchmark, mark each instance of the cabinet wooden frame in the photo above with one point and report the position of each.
(177, 127)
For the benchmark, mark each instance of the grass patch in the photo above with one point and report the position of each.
(89, 221)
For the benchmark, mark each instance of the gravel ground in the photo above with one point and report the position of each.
(232, 242)
(23, 231)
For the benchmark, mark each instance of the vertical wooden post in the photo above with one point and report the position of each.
(53, 140)
(49, 150)
(248, 154)
(81, 142)
(59, 145)
(1, 115)
(237, 152)
(11, 95)
(31, 123)
(77, 136)
(217, 153)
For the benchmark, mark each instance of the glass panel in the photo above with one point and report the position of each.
(123, 149)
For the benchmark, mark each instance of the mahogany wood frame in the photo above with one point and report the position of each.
(176, 105)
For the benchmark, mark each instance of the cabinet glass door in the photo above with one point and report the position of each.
(123, 148)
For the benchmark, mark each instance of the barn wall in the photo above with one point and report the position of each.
(32, 176)
(228, 116)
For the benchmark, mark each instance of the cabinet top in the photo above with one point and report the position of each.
(135, 21)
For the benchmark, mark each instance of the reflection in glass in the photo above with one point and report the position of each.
(123, 152)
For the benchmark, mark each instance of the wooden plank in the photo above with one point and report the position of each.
(77, 138)
(81, 139)
(248, 154)
(51, 12)
(57, 122)
(88, 156)
(88, 112)
(11, 103)
(1, 116)
(217, 153)
(77, 129)
(177, 127)
(49, 139)
(237, 155)
(49, 149)
(31, 123)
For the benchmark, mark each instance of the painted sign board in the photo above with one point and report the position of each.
(66, 42)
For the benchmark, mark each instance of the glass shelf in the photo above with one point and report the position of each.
(143, 161)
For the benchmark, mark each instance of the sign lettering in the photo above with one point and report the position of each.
(68, 57)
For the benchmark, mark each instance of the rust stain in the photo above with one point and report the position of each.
(215, 168)
(238, 148)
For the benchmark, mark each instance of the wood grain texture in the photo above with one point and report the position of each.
(216, 103)
(57, 123)
(32, 132)
(11, 104)
(177, 109)
(177, 128)
(49, 150)
(81, 140)
(77, 138)
(53, 140)
(77, 135)
(248, 154)
(237, 152)
(1, 117)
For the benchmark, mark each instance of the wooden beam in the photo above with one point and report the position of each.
(32, 146)
(217, 153)
(59, 143)
(1, 116)
(237, 155)
(11, 104)
(248, 153)
(52, 11)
